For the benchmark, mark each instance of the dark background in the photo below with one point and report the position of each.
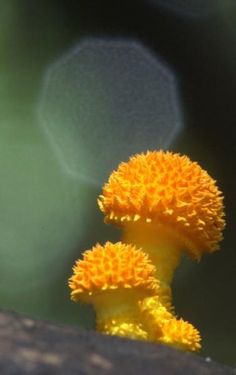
(201, 49)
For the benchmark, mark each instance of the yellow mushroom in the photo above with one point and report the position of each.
(163, 327)
(181, 335)
(165, 204)
(114, 278)
(118, 280)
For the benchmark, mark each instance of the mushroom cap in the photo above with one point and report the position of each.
(166, 188)
(164, 327)
(112, 267)
(181, 334)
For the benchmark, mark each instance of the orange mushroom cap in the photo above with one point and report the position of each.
(181, 334)
(169, 189)
(112, 267)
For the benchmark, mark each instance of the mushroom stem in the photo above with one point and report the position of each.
(163, 249)
(118, 314)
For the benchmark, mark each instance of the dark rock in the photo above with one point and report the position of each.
(29, 346)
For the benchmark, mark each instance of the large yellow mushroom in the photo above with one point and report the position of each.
(114, 278)
(166, 204)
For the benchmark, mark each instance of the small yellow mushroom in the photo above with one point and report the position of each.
(114, 278)
(163, 327)
(118, 280)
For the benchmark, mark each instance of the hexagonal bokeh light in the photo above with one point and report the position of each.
(105, 100)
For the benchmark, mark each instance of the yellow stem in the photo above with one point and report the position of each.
(117, 313)
(163, 248)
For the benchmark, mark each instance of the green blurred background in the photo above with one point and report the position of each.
(48, 217)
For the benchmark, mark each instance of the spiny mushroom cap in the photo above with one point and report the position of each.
(163, 326)
(181, 334)
(169, 189)
(112, 267)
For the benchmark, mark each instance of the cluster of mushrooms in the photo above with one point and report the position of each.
(165, 205)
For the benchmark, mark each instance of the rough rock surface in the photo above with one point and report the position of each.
(29, 346)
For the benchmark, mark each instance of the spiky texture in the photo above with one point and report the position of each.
(162, 326)
(112, 267)
(180, 334)
(167, 188)
(154, 314)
